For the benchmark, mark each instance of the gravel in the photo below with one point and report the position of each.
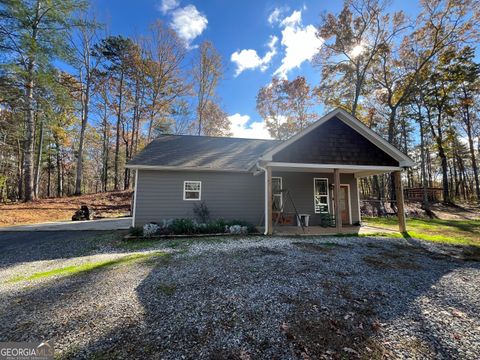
(255, 298)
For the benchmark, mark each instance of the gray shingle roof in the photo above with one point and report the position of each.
(203, 152)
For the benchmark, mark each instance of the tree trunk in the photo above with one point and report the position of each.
(85, 107)
(30, 124)
(105, 152)
(30, 128)
(134, 122)
(472, 153)
(429, 167)
(39, 161)
(391, 140)
(426, 204)
(20, 171)
(126, 179)
(49, 180)
(380, 205)
(444, 164)
(117, 140)
(455, 179)
(59, 168)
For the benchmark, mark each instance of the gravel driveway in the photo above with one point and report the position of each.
(86, 225)
(254, 298)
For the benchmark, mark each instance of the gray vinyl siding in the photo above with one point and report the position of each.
(228, 195)
(300, 186)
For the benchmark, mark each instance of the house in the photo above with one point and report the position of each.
(254, 180)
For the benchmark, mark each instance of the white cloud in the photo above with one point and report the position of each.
(276, 15)
(189, 23)
(240, 128)
(249, 59)
(300, 42)
(294, 19)
(167, 5)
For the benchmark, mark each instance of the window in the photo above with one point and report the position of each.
(320, 195)
(277, 193)
(192, 190)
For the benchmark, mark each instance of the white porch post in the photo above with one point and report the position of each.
(402, 224)
(336, 199)
(268, 201)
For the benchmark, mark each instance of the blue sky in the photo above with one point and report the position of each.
(257, 39)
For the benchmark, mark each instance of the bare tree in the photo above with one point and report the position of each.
(165, 53)
(352, 42)
(82, 42)
(207, 71)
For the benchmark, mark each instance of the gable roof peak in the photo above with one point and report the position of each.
(350, 120)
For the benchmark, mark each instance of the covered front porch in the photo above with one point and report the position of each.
(326, 195)
(328, 158)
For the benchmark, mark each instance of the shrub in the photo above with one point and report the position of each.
(150, 229)
(183, 226)
(218, 226)
(237, 229)
(202, 212)
(166, 223)
(250, 228)
(136, 230)
(326, 220)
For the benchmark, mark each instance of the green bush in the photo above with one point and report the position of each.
(136, 230)
(183, 226)
(327, 220)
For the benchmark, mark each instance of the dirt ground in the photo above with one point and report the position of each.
(462, 212)
(439, 210)
(105, 205)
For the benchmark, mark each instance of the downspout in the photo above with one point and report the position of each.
(266, 196)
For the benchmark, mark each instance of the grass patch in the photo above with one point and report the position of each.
(135, 245)
(455, 232)
(87, 267)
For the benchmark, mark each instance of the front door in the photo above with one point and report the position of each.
(345, 204)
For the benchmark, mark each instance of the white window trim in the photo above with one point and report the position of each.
(328, 197)
(199, 191)
(281, 187)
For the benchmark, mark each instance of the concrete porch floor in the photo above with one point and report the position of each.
(318, 230)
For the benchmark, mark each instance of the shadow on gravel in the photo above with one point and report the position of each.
(301, 302)
(20, 247)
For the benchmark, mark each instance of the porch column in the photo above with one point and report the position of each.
(336, 199)
(268, 201)
(400, 205)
